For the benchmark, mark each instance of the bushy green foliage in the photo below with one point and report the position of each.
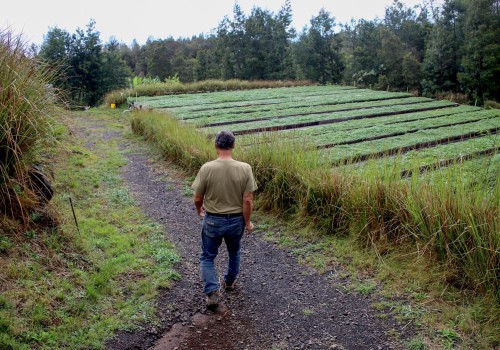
(88, 69)
(27, 103)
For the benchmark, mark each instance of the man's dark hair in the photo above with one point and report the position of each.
(224, 140)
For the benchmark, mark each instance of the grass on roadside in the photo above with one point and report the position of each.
(69, 289)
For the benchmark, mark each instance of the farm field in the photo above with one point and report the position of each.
(349, 125)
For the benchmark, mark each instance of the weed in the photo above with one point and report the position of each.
(366, 287)
(187, 191)
(417, 343)
(449, 336)
(5, 244)
(308, 312)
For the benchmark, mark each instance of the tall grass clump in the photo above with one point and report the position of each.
(26, 106)
(454, 225)
(119, 97)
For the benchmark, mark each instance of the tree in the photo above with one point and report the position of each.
(411, 29)
(115, 71)
(85, 58)
(318, 50)
(390, 55)
(89, 72)
(442, 59)
(481, 60)
(359, 46)
(55, 49)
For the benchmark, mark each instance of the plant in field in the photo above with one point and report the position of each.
(26, 103)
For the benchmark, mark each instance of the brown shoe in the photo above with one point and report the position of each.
(213, 299)
(229, 287)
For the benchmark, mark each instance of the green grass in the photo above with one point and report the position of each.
(70, 289)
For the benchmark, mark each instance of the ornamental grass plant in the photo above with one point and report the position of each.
(27, 103)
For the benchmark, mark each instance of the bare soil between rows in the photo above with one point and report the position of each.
(278, 303)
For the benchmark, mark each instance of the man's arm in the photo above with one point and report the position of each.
(247, 210)
(198, 203)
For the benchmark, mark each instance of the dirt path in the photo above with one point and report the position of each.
(278, 304)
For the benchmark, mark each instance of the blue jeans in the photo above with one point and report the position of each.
(215, 229)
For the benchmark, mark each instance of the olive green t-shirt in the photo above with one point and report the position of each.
(222, 184)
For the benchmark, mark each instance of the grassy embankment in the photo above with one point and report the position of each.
(119, 97)
(433, 236)
(61, 288)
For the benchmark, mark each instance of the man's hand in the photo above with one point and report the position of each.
(249, 227)
(198, 203)
(201, 211)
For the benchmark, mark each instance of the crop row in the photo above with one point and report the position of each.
(424, 157)
(328, 118)
(414, 141)
(279, 111)
(351, 125)
(271, 99)
(384, 130)
(479, 171)
(238, 96)
(252, 107)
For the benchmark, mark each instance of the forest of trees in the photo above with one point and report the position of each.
(453, 48)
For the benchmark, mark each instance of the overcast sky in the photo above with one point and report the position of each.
(127, 20)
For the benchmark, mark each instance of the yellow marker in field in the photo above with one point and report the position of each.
(113, 106)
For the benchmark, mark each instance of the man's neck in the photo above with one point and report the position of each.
(224, 154)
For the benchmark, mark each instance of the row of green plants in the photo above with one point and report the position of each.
(326, 117)
(299, 97)
(387, 120)
(27, 105)
(120, 97)
(408, 127)
(319, 131)
(458, 228)
(421, 137)
(225, 114)
(203, 101)
(428, 155)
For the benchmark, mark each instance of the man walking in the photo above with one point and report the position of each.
(224, 198)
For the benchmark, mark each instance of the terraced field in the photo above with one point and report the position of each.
(352, 126)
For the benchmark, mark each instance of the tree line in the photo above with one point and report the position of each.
(451, 48)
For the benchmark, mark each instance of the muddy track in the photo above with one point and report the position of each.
(278, 303)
